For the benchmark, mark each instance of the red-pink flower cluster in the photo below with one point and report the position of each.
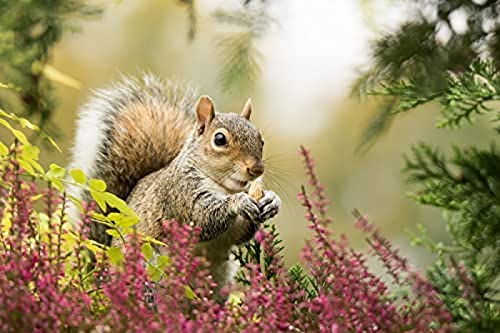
(335, 293)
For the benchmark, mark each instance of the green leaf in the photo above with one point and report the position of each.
(115, 255)
(113, 201)
(3, 149)
(147, 250)
(26, 166)
(153, 240)
(56, 75)
(128, 221)
(122, 220)
(55, 174)
(100, 217)
(78, 176)
(58, 184)
(93, 246)
(97, 185)
(36, 198)
(190, 294)
(37, 166)
(28, 159)
(27, 124)
(113, 233)
(235, 298)
(55, 171)
(30, 152)
(163, 261)
(99, 199)
(17, 134)
(154, 273)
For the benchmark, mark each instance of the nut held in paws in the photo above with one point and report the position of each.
(256, 190)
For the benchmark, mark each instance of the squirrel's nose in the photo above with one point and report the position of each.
(256, 169)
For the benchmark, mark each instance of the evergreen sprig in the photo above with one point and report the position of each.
(303, 281)
(28, 31)
(252, 252)
(241, 57)
(470, 193)
(414, 65)
(468, 94)
(466, 186)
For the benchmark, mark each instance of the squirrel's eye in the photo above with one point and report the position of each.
(220, 139)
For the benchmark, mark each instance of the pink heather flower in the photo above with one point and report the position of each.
(259, 236)
(46, 288)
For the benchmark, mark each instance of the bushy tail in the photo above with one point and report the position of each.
(132, 129)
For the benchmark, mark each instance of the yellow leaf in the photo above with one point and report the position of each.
(26, 166)
(93, 246)
(70, 241)
(58, 184)
(18, 134)
(56, 171)
(30, 152)
(56, 75)
(51, 141)
(154, 273)
(190, 294)
(101, 218)
(3, 149)
(43, 223)
(6, 222)
(78, 176)
(97, 185)
(119, 204)
(163, 261)
(37, 166)
(27, 124)
(123, 221)
(153, 240)
(147, 250)
(127, 231)
(113, 233)
(99, 199)
(37, 197)
(115, 255)
(235, 298)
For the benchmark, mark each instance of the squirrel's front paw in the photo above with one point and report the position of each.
(248, 207)
(269, 205)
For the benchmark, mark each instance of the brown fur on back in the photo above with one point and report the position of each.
(127, 131)
(144, 139)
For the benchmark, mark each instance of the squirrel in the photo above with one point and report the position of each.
(169, 155)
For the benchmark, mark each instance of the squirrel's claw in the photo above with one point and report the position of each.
(269, 205)
(248, 207)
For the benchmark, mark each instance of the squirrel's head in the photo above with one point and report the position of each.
(231, 146)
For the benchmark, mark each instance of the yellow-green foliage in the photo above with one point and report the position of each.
(121, 222)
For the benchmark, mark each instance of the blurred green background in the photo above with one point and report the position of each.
(309, 56)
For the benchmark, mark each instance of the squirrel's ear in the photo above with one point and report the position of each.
(204, 112)
(247, 109)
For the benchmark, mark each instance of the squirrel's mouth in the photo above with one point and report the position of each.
(240, 183)
(235, 185)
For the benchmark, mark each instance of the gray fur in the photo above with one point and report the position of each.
(162, 178)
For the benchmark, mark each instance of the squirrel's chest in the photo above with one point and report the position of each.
(213, 186)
